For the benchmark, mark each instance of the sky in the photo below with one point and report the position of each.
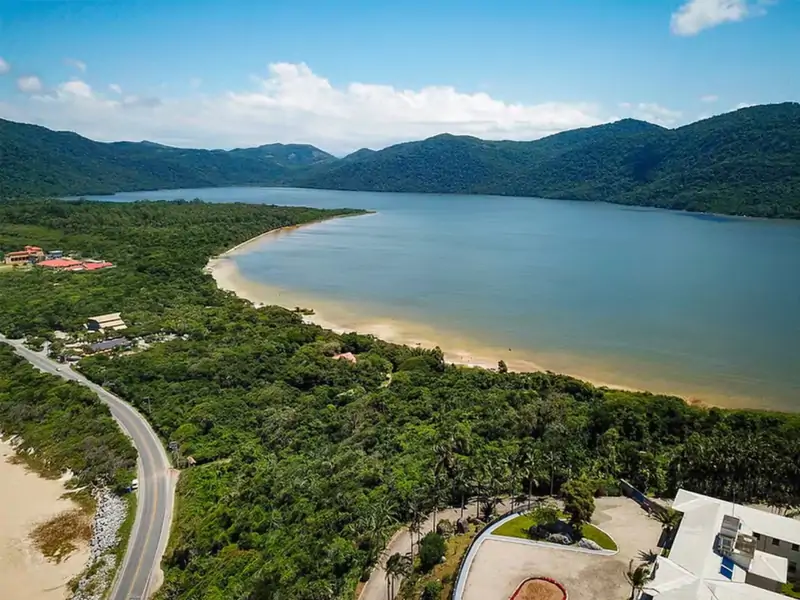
(346, 74)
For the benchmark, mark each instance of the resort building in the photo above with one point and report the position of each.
(30, 255)
(111, 321)
(59, 263)
(726, 551)
(70, 264)
(109, 345)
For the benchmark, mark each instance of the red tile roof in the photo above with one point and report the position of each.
(59, 263)
(92, 266)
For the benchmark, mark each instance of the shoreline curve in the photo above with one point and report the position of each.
(458, 349)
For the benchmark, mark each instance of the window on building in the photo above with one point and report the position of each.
(792, 567)
(776, 542)
(757, 536)
(796, 547)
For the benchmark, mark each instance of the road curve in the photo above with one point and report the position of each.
(156, 489)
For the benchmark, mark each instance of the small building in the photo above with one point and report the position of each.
(91, 266)
(109, 345)
(726, 551)
(111, 321)
(59, 263)
(53, 254)
(30, 255)
(348, 356)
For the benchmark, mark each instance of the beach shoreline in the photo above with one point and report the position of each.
(458, 349)
(28, 500)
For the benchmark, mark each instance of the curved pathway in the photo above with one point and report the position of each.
(137, 574)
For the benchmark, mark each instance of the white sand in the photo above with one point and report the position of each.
(457, 348)
(25, 501)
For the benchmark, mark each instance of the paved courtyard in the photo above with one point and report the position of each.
(501, 565)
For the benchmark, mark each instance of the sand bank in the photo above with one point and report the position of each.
(25, 501)
(457, 347)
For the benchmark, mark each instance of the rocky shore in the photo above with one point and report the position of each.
(99, 574)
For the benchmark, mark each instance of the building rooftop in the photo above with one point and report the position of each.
(110, 344)
(758, 521)
(695, 571)
(59, 263)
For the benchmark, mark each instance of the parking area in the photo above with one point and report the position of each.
(501, 564)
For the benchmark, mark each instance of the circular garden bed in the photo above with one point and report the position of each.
(540, 588)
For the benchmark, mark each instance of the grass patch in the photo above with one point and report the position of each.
(791, 589)
(125, 528)
(590, 532)
(445, 572)
(59, 537)
(517, 527)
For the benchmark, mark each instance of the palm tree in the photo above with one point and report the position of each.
(397, 567)
(527, 461)
(444, 456)
(415, 526)
(670, 520)
(637, 578)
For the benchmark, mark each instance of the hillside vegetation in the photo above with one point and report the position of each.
(746, 162)
(308, 464)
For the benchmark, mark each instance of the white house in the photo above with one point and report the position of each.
(726, 551)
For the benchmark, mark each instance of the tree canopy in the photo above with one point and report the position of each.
(307, 464)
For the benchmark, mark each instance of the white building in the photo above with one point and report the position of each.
(725, 551)
(104, 322)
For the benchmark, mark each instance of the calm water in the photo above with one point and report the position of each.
(694, 304)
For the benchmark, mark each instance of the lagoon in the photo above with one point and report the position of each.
(703, 306)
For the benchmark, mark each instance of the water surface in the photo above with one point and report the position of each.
(699, 305)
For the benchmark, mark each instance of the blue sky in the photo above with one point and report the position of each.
(344, 74)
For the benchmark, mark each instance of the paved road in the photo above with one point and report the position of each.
(156, 485)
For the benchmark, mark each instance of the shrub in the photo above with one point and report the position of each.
(445, 528)
(431, 551)
(432, 590)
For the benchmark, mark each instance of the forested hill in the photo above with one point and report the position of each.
(746, 162)
(37, 161)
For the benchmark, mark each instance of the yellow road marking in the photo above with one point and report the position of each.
(148, 533)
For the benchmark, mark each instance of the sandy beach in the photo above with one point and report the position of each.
(25, 501)
(457, 348)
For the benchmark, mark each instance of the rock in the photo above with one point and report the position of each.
(559, 538)
(589, 544)
(110, 514)
(461, 526)
(444, 528)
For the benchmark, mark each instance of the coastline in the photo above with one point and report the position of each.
(28, 500)
(457, 348)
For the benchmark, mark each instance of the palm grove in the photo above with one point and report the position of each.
(306, 464)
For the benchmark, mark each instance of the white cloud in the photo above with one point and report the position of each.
(696, 15)
(114, 87)
(743, 105)
(4, 66)
(709, 99)
(76, 64)
(652, 112)
(30, 84)
(293, 104)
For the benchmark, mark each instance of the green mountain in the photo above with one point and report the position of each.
(38, 161)
(745, 162)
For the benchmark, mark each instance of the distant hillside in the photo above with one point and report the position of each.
(38, 161)
(746, 162)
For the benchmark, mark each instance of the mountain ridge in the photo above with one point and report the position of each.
(745, 162)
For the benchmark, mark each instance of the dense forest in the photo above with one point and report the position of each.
(307, 464)
(64, 423)
(745, 162)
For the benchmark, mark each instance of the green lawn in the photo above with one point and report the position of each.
(591, 532)
(791, 590)
(519, 527)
